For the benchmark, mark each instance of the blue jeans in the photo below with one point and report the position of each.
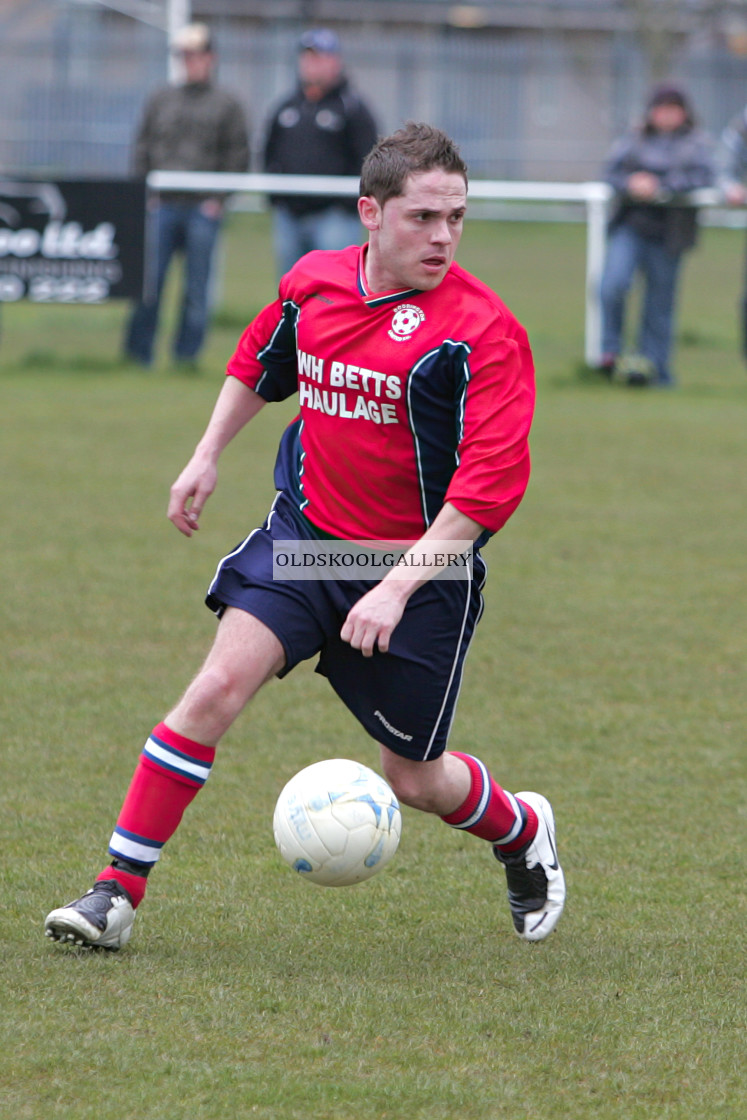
(331, 228)
(175, 228)
(628, 252)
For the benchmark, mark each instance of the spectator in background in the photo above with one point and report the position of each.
(195, 126)
(665, 157)
(322, 128)
(732, 166)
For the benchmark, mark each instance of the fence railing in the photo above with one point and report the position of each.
(594, 196)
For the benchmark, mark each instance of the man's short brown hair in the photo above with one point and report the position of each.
(411, 149)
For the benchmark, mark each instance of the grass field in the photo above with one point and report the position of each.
(607, 672)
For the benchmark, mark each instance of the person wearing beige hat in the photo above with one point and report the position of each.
(192, 126)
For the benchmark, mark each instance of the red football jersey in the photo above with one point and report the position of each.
(408, 399)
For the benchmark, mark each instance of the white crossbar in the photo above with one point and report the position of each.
(594, 196)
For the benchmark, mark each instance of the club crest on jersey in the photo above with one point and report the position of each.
(405, 320)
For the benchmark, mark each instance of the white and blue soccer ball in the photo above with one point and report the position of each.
(336, 823)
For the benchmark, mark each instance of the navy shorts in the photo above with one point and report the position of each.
(405, 698)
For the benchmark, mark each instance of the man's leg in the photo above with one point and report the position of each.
(164, 233)
(521, 828)
(449, 784)
(657, 321)
(288, 239)
(619, 268)
(173, 767)
(334, 228)
(201, 234)
(743, 314)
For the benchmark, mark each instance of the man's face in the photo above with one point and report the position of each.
(668, 116)
(319, 71)
(198, 65)
(413, 238)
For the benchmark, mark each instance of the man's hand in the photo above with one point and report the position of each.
(237, 404)
(735, 194)
(189, 493)
(373, 618)
(212, 208)
(643, 185)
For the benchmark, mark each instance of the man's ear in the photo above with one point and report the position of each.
(369, 211)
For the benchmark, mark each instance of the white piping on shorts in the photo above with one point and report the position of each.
(239, 547)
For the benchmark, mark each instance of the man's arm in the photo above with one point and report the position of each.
(372, 620)
(236, 140)
(697, 169)
(269, 145)
(237, 404)
(732, 160)
(362, 134)
(620, 163)
(232, 155)
(141, 147)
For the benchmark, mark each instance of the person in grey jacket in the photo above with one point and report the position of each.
(196, 126)
(651, 170)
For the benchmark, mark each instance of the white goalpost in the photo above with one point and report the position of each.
(594, 196)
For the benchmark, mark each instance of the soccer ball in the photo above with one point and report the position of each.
(337, 823)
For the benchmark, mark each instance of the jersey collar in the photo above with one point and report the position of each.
(381, 299)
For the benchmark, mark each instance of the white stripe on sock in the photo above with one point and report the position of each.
(132, 850)
(518, 824)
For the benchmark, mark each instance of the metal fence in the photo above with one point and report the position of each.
(522, 105)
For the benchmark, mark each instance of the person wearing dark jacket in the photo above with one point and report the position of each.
(650, 170)
(323, 128)
(195, 126)
(732, 167)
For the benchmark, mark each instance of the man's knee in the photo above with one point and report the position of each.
(613, 289)
(211, 703)
(245, 654)
(218, 687)
(408, 779)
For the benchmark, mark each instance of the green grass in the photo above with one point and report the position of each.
(607, 672)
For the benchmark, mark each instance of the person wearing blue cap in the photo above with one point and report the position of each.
(323, 128)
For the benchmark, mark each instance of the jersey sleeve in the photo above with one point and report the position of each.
(493, 469)
(265, 358)
(622, 161)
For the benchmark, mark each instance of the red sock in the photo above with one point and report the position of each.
(491, 812)
(134, 884)
(170, 773)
